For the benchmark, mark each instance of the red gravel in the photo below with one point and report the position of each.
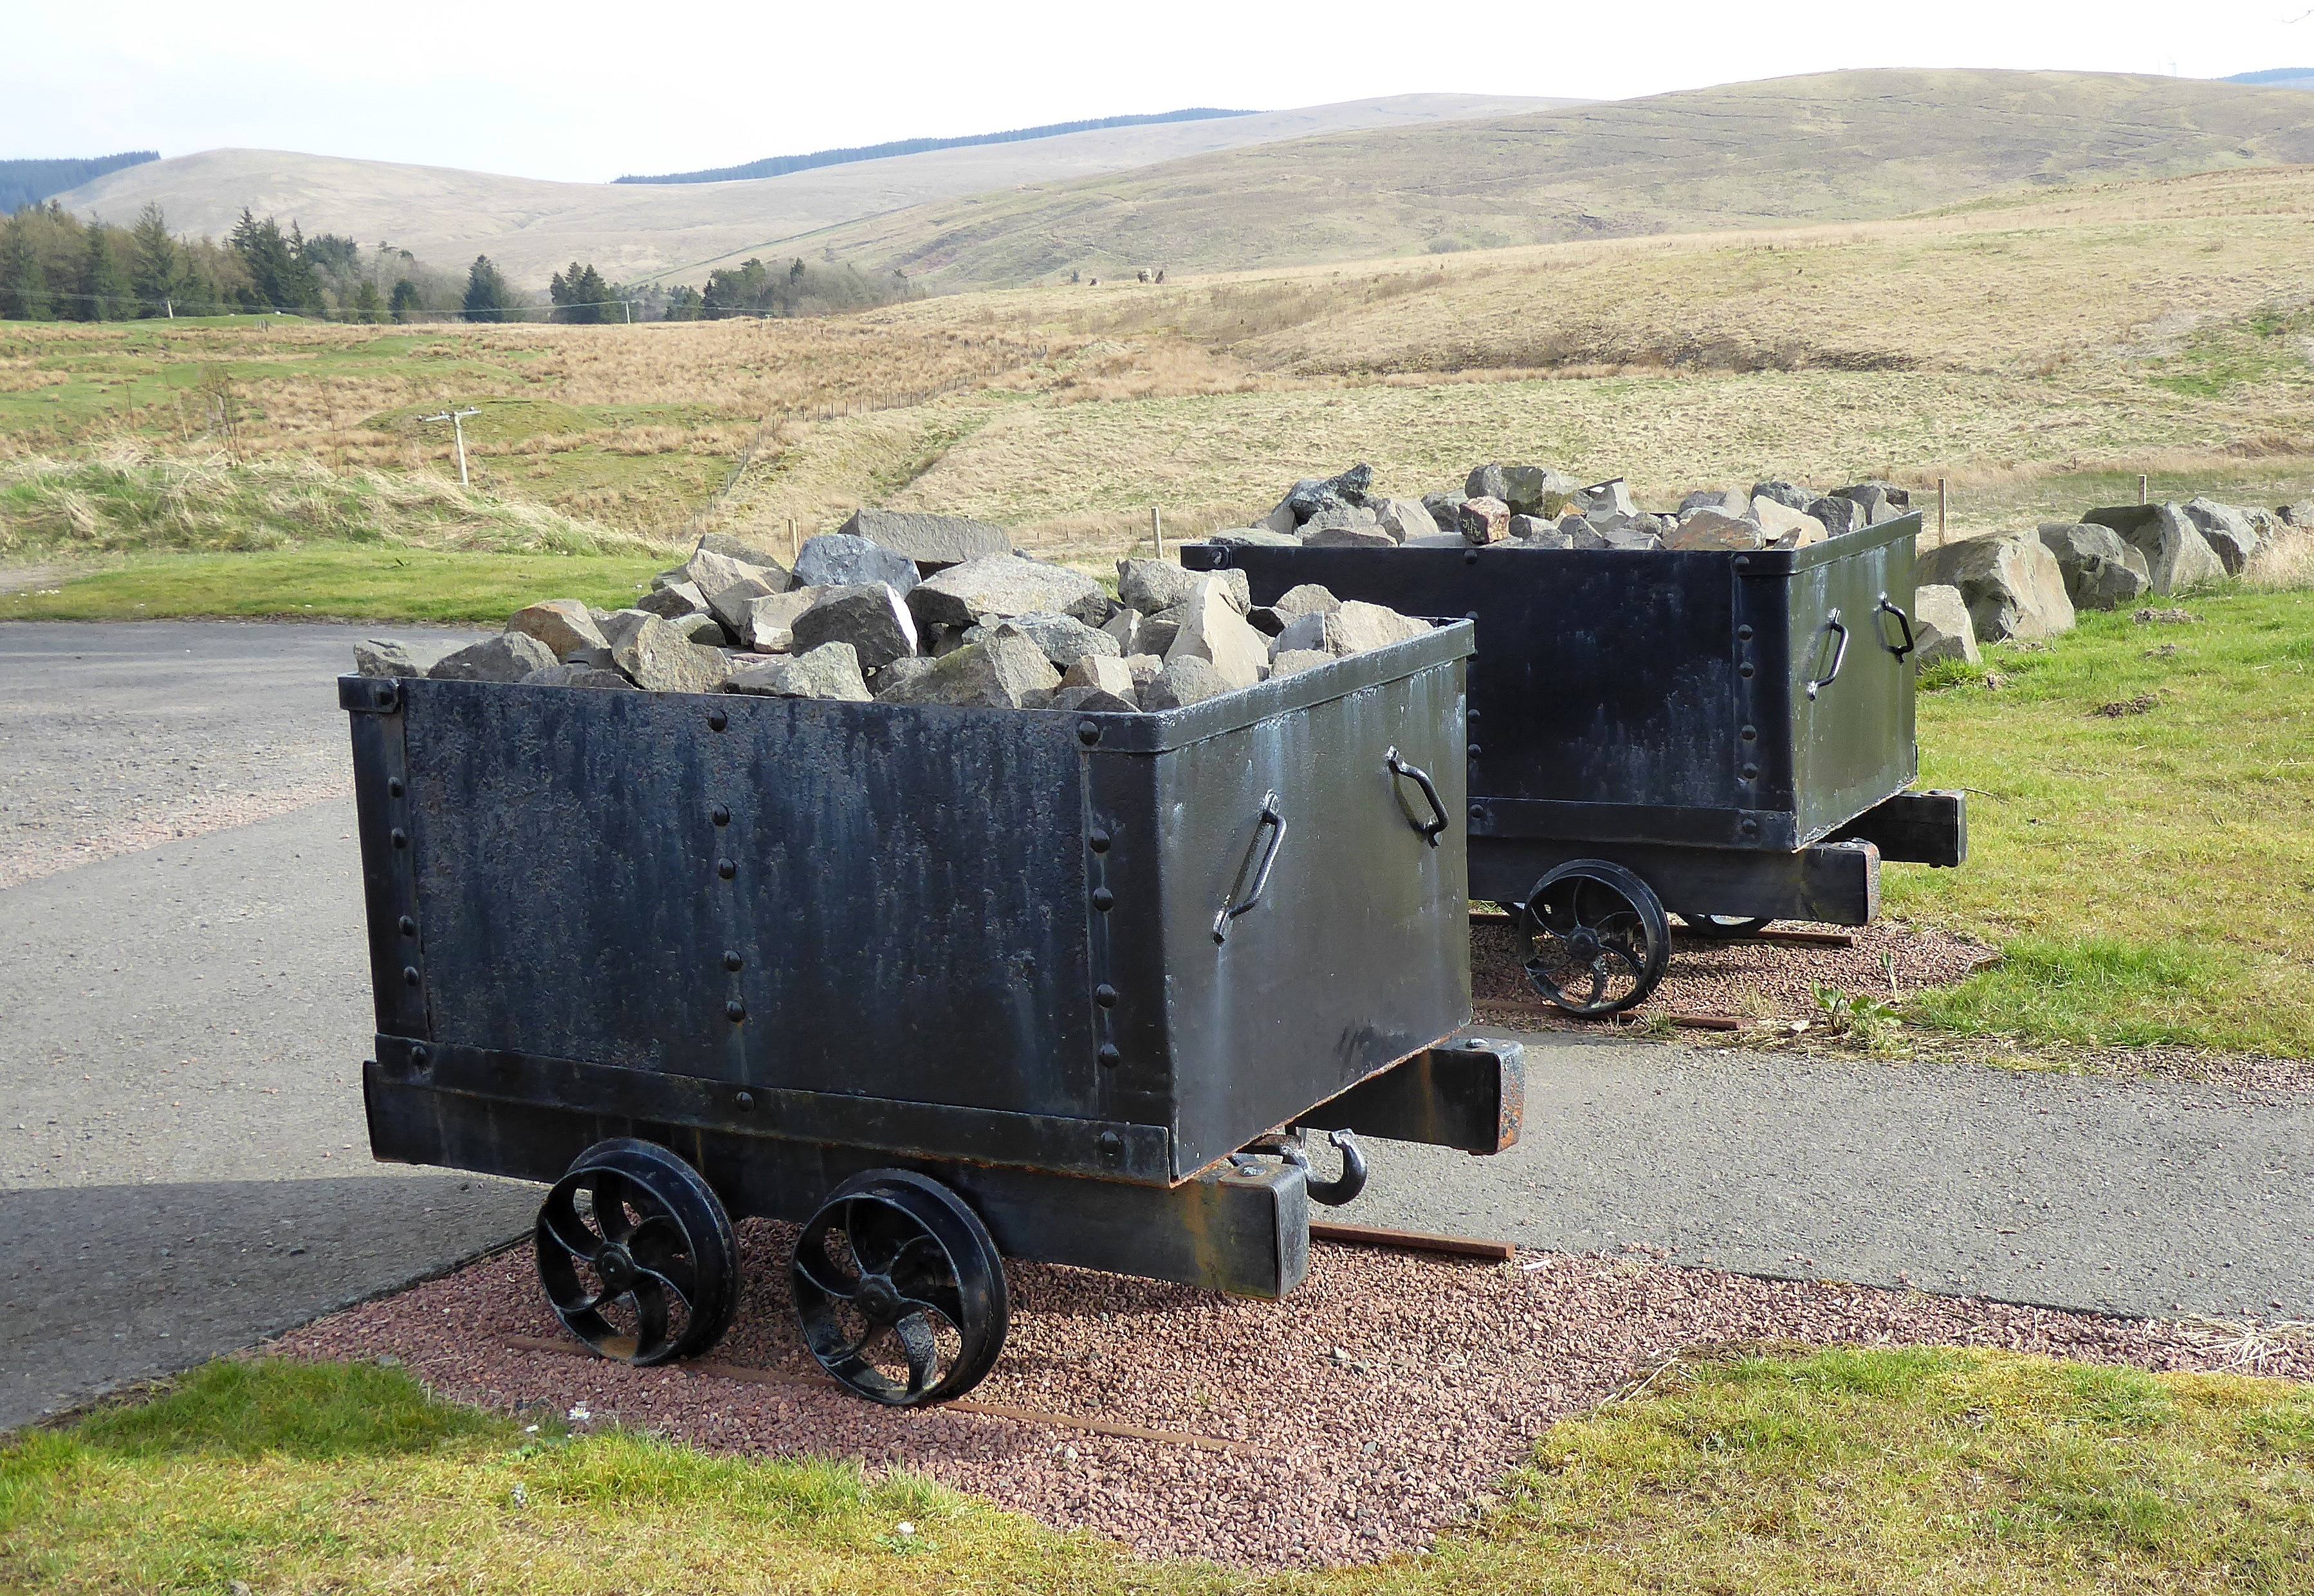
(1396, 1388)
(1753, 982)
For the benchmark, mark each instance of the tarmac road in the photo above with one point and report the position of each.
(181, 1160)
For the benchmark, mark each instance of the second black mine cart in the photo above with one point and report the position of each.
(940, 985)
(1727, 736)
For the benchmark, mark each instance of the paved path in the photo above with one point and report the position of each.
(182, 1028)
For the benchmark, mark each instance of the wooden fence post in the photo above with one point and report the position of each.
(1157, 531)
(1941, 501)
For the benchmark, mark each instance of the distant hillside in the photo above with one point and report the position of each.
(2275, 77)
(780, 165)
(632, 231)
(28, 182)
(1837, 146)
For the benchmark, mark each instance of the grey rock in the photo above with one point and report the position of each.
(1624, 534)
(1143, 668)
(1543, 536)
(1001, 587)
(733, 606)
(847, 560)
(1839, 515)
(700, 629)
(1092, 701)
(1353, 629)
(2178, 557)
(894, 680)
(831, 671)
(1785, 526)
(1611, 498)
(1294, 661)
(1213, 631)
(2101, 572)
(1308, 598)
(658, 658)
(1335, 515)
(2013, 587)
(738, 549)
(1790, 495)
(2300, 513)
(1706, 529)
(1182, 683)
(1256, 537)
(578, 676)
(1156, 586)
(374, 656)
(1488, 482)
(1065, 638)
(770, 619)
(1280, 519)
(508, 656)
(1312, 494)
(619, 625)
(1446, 510)
(1000, 672)
(1535, 491)
(1403, 518)
(1155, 636)
(1484, 520)
(1336, 536)
(1727, 501)
(711, 572)
(562, 624)
(933, 541)
(1107, 672)
(2227, 530)
(600, 659)
(871, 618)
(674, 601)
(1882, 501)
(1941, 627)
(1436, 540)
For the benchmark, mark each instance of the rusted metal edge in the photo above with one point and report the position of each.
(713, 1370)
(1461, 1246)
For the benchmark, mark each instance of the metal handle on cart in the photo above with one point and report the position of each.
(1231, 911)
(1832, 623)
(1886, 608)
(1420, 777)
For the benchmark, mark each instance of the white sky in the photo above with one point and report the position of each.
(585, 91)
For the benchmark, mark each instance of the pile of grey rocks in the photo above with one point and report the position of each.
(1533, 507)
(913, 609)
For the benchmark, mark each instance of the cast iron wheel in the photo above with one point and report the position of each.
(899, 1289)
(1596, 938)
(637, 1255)
(1725, 928)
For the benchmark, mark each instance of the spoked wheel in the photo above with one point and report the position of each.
(1596, 938)
(1725, 927)
(637, 1254)
(900, 1290)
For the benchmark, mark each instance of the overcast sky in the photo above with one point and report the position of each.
(579, 91)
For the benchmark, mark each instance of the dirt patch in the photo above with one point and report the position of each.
(1756, 983)
(1391, 1391)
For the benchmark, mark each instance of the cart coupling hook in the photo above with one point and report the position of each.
(1421, 777)
(1345, 1187)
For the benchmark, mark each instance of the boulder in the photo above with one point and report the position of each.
(1727, 501)
(1338, 516)
(674, 601)
(578, 676)
(1882, 501)
(1542, 535)
(933, 541)
(1183, 682)
(1611, 498)
(1784, 526)
(847, 560)
(1001, 586)
(1313, 493)
(1150, 586)
(1705, 529)
(871, 618)
(1256, 537)
(658, 658)
(2012, 586)
(1002, 671)
(2226, 530)
(2101, 572)
(374, 656)
(1484, 520)
(1281, 518)
(1092, 701)
(1941, 627)
(2177, 555)
(1436, 540)
(1488, 481)
(2300, 513)
(733, 606)
(1837, 514)
(1403, 518)
(1353, 629)
(699, 629)
(1307, 599)
(563, 624)
(1105, 673)
(1534, 490)
(770, 619)
(1445, 511)
(1065, 638)
(1143, 668)
(508, 656)
(738, 549)
(1294, 661)
(1154, 635)
(1620, 534)
(892, 682)
(1790, 495)
(711, 572)
(831, 671)
(1214, 632)
(1351, 536)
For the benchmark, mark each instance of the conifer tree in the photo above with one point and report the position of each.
(488, 295)
(105, 288)
(406, 302)
(24, 283)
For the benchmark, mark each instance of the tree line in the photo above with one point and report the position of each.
(798, 289)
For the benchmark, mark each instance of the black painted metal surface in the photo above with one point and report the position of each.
(835, 935)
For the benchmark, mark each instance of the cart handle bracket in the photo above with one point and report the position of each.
(1420, 777)
(1833, 624)
(1272, 819)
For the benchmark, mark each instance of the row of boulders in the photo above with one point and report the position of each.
(922, 610)
(2028, 586)
(1533, 507)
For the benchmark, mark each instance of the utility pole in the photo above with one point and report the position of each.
(457, 420)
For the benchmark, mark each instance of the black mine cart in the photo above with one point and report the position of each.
(938, 984)
(1728, 735)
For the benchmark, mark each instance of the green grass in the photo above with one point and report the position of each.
(2146, 874)
(354, 583)
(1933, 1471)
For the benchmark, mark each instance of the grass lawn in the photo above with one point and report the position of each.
(2148, 871)
(355, 582)
(1928, 1471)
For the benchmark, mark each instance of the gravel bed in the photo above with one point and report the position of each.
(1749, 981)
(1395, 1389)
(44, 855)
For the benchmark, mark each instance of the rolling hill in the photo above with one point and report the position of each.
(631, 231)
(1847, 145)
